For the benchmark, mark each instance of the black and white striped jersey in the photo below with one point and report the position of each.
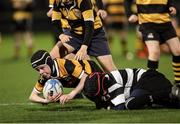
(119, 87)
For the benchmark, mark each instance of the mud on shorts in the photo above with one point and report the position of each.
(158, 32)
(97, 47)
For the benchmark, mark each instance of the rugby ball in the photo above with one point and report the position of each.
(52, 88)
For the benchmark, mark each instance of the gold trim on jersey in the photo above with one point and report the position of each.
(148, 2)
(154, 18)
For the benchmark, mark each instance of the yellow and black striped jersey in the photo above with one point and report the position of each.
(64, 22)
(22, 9)
(80, 11)
(115, 10)
(151, 11)
(69, 72)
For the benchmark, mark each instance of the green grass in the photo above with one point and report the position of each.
(17, 79)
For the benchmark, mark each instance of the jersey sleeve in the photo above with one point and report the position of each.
(40, 84)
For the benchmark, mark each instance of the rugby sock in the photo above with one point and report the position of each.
(176, 68)
(152, 64)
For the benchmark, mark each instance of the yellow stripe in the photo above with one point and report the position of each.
(176, 64)
(155, 18)
(88, 69)
(116, 9)
(62, 69)
(39, 87)
(56, 15)
(65, 23)
(177, 79)
(97, 23)
(176, 69)
(78, 68)
(88, 15)
(177, 73)
(20, 15)
(113, 1)
(145, 2)
(51, 2)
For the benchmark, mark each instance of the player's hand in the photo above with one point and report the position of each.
(133, 18)
(172, 10)
(65, 98)
(64, 38)
(54, 98)
(102, 13)
(82, 53)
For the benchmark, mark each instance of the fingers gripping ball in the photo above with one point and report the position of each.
(52, 88)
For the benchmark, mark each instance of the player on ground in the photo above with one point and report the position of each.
(137, 89)
(71, 73)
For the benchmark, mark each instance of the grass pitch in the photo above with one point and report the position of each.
(17, 79)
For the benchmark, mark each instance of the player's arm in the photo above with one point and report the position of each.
(86, 9)
(127, 6)
(66, 97)
(56, 20)
(132, 17)
(35, 97)
(172, 8)
(101, 9)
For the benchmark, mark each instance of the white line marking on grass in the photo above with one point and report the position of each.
(19, 104)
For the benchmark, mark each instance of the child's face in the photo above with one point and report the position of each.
(44, 71)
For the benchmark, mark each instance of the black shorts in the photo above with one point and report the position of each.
(98, 46)
(23, 25)
(155, 83)
(158, 32)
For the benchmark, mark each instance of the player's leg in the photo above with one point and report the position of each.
(17, 44)
(154, 54)
(29, 42)
(106, 63)
(174, 45)
(138, 99)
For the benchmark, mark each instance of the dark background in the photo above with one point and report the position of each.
(40, 20)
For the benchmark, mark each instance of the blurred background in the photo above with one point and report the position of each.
(17, 78)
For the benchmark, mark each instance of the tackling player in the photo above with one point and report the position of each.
(136, 89)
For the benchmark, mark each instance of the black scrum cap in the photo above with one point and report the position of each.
(41, 57)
